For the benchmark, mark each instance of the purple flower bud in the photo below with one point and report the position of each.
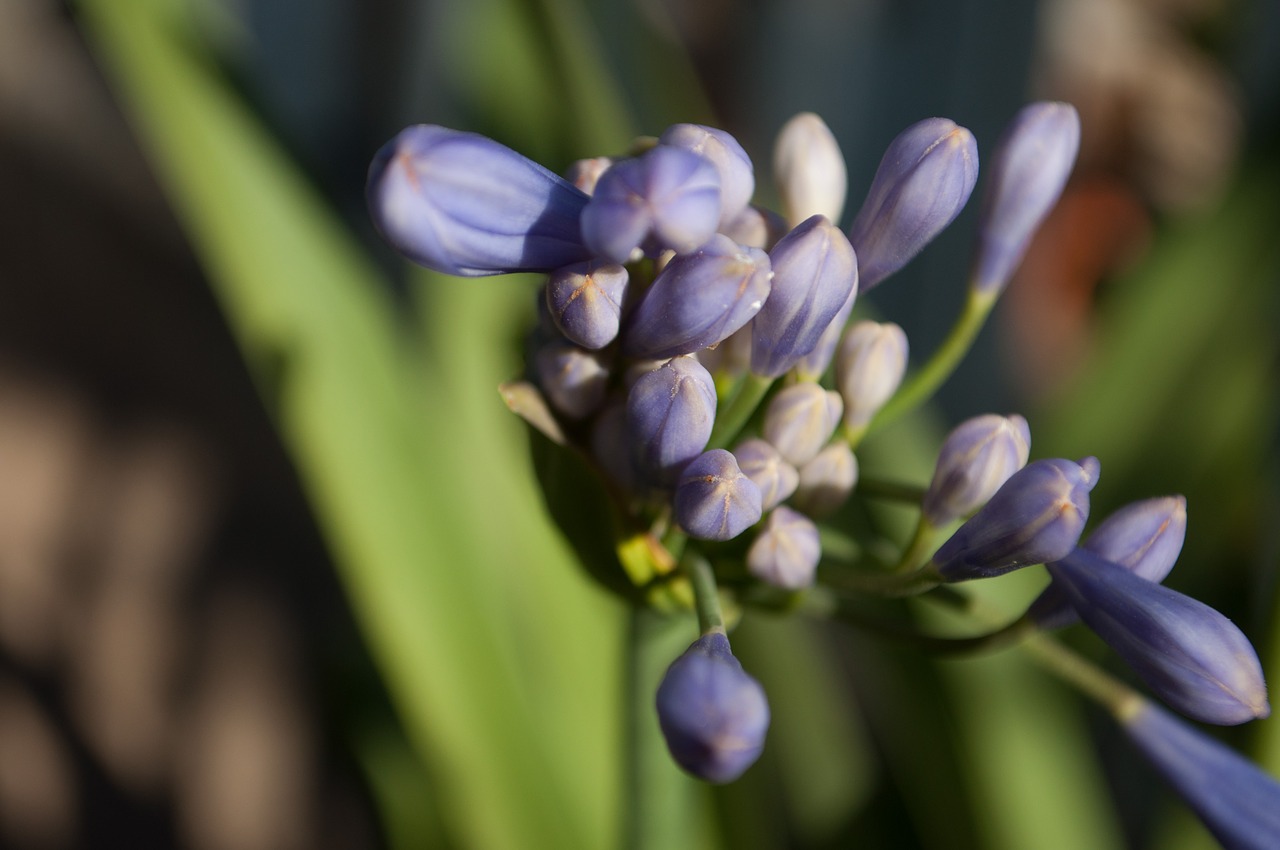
(714, 500)
(800, 420)
(923, 182)
(976, 458)
(1034, 518)
(573, 380)
(869, 368)
(737, 177)
(809, 169)
(1238, 802)
(670, 412)
(786, 552)
(585, 173)
(826, 481)
(667, 194)
(465, 205)
(1032, 162)
(698, 300)
(585, 301)
(713, 715)
(1191, 656)
(814, 274)
(760, 462)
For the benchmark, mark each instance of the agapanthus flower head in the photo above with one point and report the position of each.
(827, 481)
(737, 176)
(786, 552)
(922, 184)
(713, 715)
(760, 461)
(714, 500)
(800, 420)
(809, 169)
(585, 301)
(976, 458)
(670, 412)
(869, 367)
(465, 205)
(1027, 174)
(1191, 656)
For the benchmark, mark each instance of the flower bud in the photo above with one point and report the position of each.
(809, 169)
(670, 412)
(585, 301)
(712, 714)
(714, 500)
(1034, 518)
(976, 458)
(756, 228)
(585, 173)
(465, 205)
(760, 461)
(826, 481)
(1190, 655)
(667, 194)
(698, 300)
(814, 274)
(573, 380)
(1029, 170)
(869, 368)
(786, 552)
(800, 420)
(737, 177)
(923, 182)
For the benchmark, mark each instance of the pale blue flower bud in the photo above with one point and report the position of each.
(1237, 801)
(465, 205)
(814, 274)
(977, 457)
(698, 300)
(809, 169)
(667, 196)
(585, 301)
(923, 182)
(826, 481)
(712, 714)
(760, 461)
(1190, 655)
(737, 177)
(714, 500)
(574, 380)
(1034, 518)
(786, 552)
(670, 412)
(800, 420)
(869, 367)
(1029, 170)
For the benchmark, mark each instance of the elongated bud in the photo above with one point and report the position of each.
(814, 274)
(574, 380)
(585, 301)
(827, 481)
(1190, 655)
(786, 552)
(809, 169)
(698, 300)
(712, 714)
(668, 195)
(714, 500)
(761, 462)
(1034, 518)
(1029, 170)
(670, 412)
(1238, 802)
(923, 182)
(800, 420)
(977, 457)
(869, 367)
(737, 177)
(465, 205)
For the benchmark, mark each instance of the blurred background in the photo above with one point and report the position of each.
(274, 571)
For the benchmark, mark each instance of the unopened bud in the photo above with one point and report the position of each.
(977, 457)
(869, 367)
(809, 169)
(714, 500)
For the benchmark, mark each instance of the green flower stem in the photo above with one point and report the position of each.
(895, 491)
(742, 404)
(914, 556)
(1015, 632)
(705, 593)
(888, 585)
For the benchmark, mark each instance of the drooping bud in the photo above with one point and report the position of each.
(585, 301)
(809, 169)
(712, 714)
(786, 552)
(670, 412)
(465, 205)
(826, 481)
(1190, 655)
(714, 500)
(1034, 518)
(976, 458)
(869, 367)
(667, 194)
(923, 182)
(760, 461)
(814, 274)
(698, 300)
(1029, 170)
(574, 380)
(737, 177)
(800, 420)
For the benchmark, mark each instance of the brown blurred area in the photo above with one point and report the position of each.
(166, 606)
